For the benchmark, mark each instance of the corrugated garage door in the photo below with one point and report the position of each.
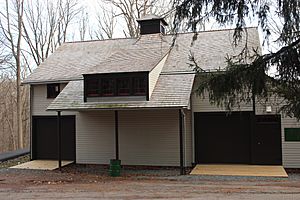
(44, 137)
(222, 138)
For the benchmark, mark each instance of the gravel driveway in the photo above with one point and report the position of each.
(80, 182)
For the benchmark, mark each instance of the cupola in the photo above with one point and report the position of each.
(151, 24)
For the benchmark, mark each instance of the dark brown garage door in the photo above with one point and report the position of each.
(44, 137)
(238, 138)
(223, 138)
(266, 140)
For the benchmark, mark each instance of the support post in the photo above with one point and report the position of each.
(117, 134)
(59, 138)
(32, 154)
(182, 171)
(253, 127)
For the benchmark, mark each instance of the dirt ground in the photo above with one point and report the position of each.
(85, 182)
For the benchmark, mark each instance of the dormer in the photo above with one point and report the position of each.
(131, 86)
(151, 24)
(123, 86)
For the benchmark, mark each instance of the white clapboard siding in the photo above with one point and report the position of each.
(149, 137)
(290, 150)
(146, 137)
(40, 102)
(154, 74)
(95, 137)
(202, 104)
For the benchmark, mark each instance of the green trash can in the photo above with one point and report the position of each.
(115, 168)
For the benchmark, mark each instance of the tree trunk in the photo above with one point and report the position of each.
(19, 107)
(18, 65)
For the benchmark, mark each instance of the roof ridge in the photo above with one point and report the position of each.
(70, 42)
(214, 30)
(130, 38)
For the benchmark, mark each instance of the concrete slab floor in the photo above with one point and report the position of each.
(240, 170)
(41, 164)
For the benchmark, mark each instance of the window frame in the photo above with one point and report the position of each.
(101, 80)
(292, 134)
(96, 94)
(116, 77)
(130, 86)
(56, 93)
(134, 87)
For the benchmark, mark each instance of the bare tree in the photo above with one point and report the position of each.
(12, 32)
(67, 12)
(131, 10)
(83, 24)
(46, 26)
(5, 56)
(7, 114)
(106, 21)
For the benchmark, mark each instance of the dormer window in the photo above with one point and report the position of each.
(124, 86)
(93, 90)
(107, 87)
(110, 86)
(139, 86)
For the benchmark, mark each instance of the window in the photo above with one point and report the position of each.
(124, 86)
(139, 86)
(108, 87)
(292, 134)
(53, 90)
(93, 87)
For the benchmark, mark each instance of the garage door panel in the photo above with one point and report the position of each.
(238, 138)
(222, 138)
(266, 147)
(45, 140)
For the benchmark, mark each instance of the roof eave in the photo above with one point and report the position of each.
(120, 108)
(50, 81)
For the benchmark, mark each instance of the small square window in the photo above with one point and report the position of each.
(292, 134)
(53, 90)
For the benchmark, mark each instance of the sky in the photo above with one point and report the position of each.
(91, 6)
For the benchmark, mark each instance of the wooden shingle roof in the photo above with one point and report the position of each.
(174, 85)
